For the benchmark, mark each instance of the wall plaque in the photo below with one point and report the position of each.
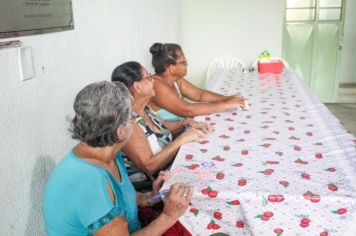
(27, 17)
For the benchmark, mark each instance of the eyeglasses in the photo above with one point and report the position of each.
(184, 62)
(148, 77)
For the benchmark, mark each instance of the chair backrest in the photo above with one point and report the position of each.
(223, 62)
(253, 65)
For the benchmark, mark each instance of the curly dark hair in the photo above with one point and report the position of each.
(164, 55)
(100, 108)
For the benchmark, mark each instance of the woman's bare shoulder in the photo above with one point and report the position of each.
(161, 87)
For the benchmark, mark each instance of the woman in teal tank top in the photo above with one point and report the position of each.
(171, 88)
(89, 192)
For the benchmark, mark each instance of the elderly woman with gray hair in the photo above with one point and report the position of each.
(89, 193)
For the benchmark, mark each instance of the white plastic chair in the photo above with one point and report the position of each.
(224, 62)
(253, 65)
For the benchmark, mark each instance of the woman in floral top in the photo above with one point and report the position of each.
(151, 147)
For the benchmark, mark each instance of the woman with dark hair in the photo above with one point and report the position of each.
(171, 87)
(89, 193)
(151, 147)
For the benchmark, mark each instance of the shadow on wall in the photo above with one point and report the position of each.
(41, 172)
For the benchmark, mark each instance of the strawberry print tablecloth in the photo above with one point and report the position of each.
(286, 166)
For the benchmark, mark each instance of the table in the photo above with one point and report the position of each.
(284, 167)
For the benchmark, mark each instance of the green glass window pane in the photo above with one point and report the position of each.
(331, 3)
(330, 14)
(300, 14)
(300, 3)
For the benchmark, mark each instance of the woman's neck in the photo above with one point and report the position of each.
(139, 105)
(101, 156)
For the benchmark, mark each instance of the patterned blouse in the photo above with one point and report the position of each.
(157, 142)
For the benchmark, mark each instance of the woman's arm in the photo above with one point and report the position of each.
(175, 205)
(199, 95)
(143, 199)
(139, 150)
(179, 125)
(119, 226)
(168, 99)
(174, 126)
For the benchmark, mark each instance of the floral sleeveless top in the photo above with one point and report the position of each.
(157, 142)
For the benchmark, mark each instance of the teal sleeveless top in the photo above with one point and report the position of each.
(167, 115)
(77, 202)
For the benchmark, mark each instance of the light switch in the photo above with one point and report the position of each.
(26, 63)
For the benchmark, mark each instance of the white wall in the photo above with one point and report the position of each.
(33, 136)
(348, 57)
(213, 28)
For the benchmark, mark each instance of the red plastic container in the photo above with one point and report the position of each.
(270, 66)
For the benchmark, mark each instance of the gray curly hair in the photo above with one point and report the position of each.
(100, 108)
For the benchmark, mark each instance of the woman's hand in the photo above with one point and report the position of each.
(237, 96)
(245, 106)
(237, 102)
(189, 135)
(177, 201)
(163, 176)
(202, 126)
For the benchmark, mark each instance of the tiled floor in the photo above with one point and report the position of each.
(347, 93)
(346, 113)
